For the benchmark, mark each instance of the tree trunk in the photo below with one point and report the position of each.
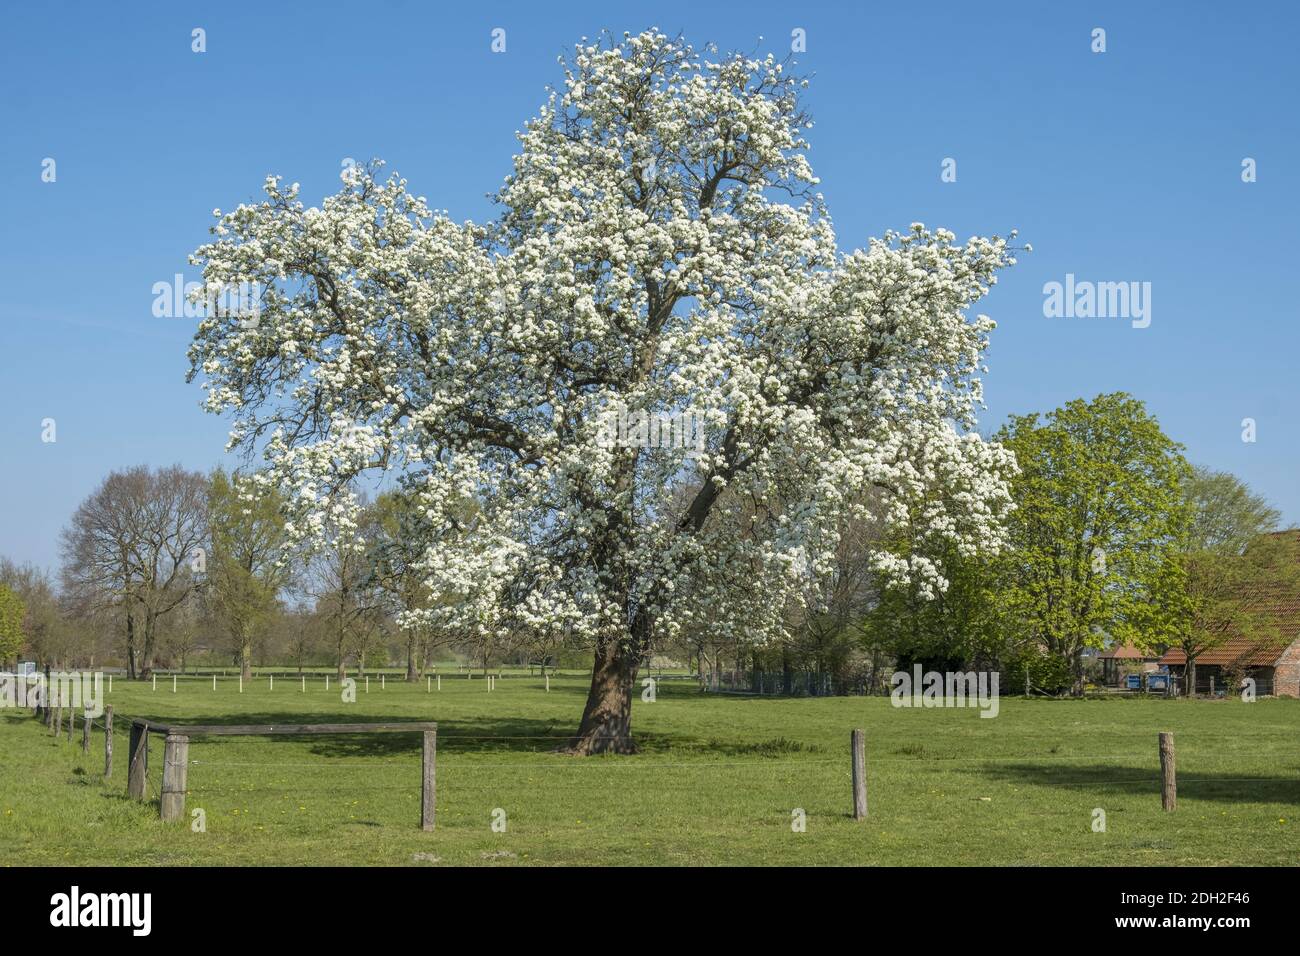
(1076, 670)
(130, 646)
(147, 654)
(246, 657)
(607, 719)
(1190, 670)
(412, 675)
(340, 647)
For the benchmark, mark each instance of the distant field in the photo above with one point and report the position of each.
(716, 782)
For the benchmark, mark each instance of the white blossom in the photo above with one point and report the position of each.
(475, 362)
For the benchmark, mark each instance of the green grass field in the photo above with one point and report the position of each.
(716, 782)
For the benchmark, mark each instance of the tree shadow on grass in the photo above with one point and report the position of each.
(1230, 786)
(463, 735)
(476, 734)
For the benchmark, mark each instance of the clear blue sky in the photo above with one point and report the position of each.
(1122, 166)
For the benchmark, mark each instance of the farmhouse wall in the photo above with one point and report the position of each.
(1286, 676)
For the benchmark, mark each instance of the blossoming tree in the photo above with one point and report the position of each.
(660, 249)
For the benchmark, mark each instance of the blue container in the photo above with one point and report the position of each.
(1134, 681)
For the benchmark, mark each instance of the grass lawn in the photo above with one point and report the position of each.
(716, 781)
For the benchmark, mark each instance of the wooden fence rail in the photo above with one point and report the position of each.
(176, 751)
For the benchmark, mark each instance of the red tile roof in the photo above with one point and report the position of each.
(1280, 610)
(1127, 652)
(1235, 650)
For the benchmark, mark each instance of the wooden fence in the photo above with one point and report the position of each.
(176, 758)
(177, 744)
(177, 741)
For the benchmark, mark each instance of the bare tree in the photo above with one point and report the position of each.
(396, 549)
(300, 629)
(340, 578)
(179, 638)
(134, 547)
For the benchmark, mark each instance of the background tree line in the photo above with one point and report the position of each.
(1115, 538)
(174, 568)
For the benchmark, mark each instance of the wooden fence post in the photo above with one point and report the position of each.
(137, 778)
(859, 740)
(108, 742)
(176, 758)
(72, 720)
(429, 795)
(1168, 778)
(57, 724)
(85, 733)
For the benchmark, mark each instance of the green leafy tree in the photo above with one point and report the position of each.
(1226, 515)
(1099, 512)
(947, 630)
(1232, 572)
(46, 635)
(245, 572)
(12, 613)
(1230, 596)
